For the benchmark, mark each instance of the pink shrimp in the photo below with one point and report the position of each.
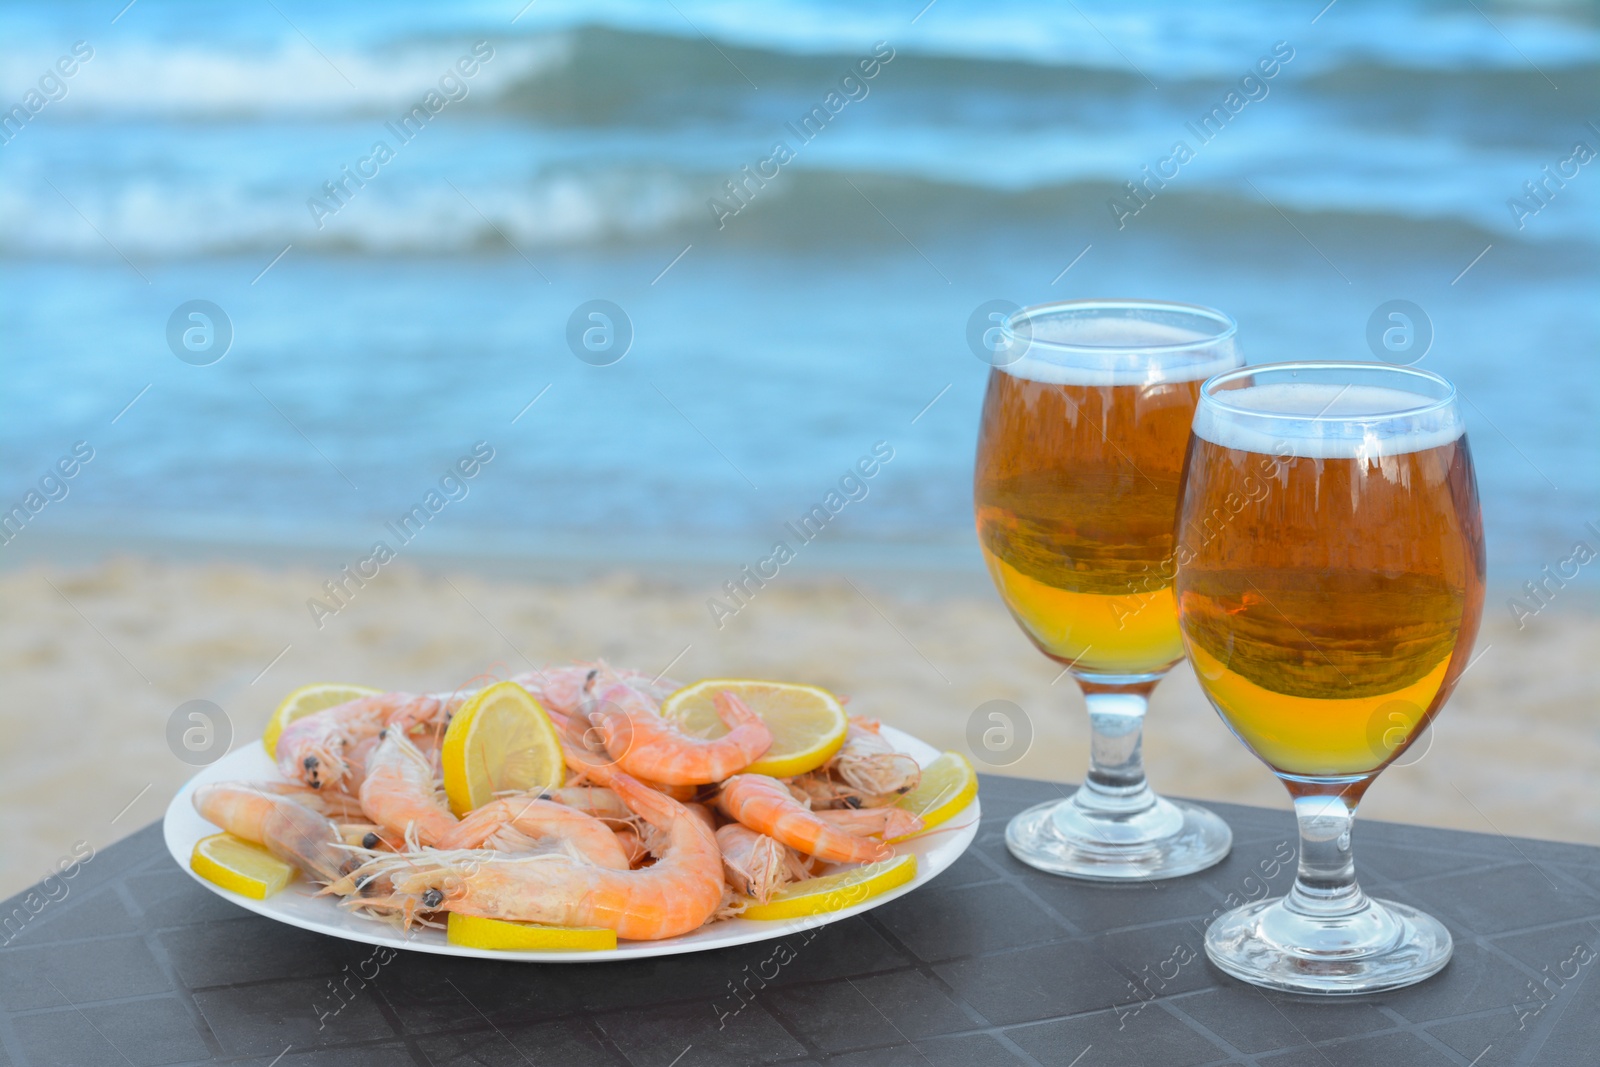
(590, 740)
(355, 764)
(563, 688)
(633, 845)
(888, 823)
(313, 749)
(602, 803)
(400, 792)
(676, 894)
(291, 831)
(871, 765)
(512, 824)
(765, 805)
(704, 814)
(866, 772)
(340, 807)
(650, 747)
(754, 864)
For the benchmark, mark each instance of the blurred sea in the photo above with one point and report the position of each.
(374, 344)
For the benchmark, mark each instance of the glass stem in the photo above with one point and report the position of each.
(1325, 887)
(1115, 783)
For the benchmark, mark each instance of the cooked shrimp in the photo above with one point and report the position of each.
(765, 805)
(355, 764)
(648, 746)
(888, 823)
(511, 824)
(598, 801)
(341, 807)
(674, 895)
(704, 814)
(755, 864)
(822, 790)
(563, 688)
(313, 749)
(290, 831)
(370, 836)
(870, 764)
(589, 739)
(400, 792)
(633, 845)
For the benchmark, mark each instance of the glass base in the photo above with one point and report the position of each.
(1383, 945)
(1165, 840)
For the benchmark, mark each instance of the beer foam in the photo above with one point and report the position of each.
(1321, 420)
(1135, 352)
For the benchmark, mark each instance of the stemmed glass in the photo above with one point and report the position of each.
(1330, 584)
(1076, 491)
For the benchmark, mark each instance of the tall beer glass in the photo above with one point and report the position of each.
(1330, 583)
(1076, 492)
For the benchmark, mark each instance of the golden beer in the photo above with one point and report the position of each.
(1330, 583)
(1076, 492)
(1330, 588)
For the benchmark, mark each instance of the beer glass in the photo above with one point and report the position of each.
(1330, 582)
(1076, 493)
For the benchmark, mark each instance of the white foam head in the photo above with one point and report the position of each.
(1326, 420)
(1122, 343)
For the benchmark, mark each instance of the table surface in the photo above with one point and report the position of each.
(992, 963)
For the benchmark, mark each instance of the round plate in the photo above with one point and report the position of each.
(298, 906)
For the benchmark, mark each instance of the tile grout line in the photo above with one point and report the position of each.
(169, 968)
(391, 1016)
(927, 971)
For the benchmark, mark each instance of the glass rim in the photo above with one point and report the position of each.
(1211, 391)
(1036, 312)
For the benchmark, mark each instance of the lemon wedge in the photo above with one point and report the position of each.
(238, 865)
(472, 931)
(948, 784)
(835, 892)
(808, 724)
(500, 739)
(319, 696)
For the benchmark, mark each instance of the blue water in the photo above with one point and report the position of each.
(580, 162)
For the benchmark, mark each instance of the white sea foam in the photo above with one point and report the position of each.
(177, 215)
(1326, 421)
(292, 78)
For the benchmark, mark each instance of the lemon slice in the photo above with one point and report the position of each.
(835, 892)
(472, 931)
(500, 739)
(948, 784)
(319, 696)
(236, 864)
(808, 724)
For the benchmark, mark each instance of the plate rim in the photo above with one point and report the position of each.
(180, 841)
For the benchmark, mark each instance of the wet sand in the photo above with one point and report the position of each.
(95, 658)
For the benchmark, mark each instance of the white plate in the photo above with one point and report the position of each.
(297, 905)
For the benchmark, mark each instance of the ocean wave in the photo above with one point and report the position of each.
(145, 218)
(600, 61)
(292, 77)
(807, 208)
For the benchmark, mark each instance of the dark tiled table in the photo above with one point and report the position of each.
(993, 963)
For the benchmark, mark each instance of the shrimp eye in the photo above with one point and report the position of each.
(309, 763)
(432, 898)
(363, 881)
(383, 733)
(852, 802)
(370, 841)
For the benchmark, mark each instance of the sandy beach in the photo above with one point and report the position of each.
(97, 657)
